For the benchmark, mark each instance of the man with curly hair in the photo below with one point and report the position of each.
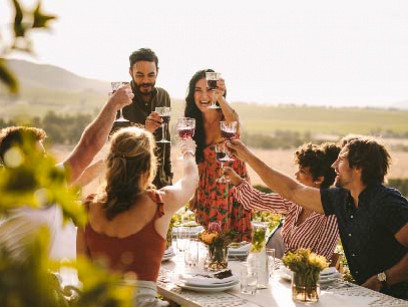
(372, 218)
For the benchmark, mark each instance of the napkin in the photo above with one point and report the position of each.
(205, 280)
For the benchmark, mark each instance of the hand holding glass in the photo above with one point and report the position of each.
(228, 131)
(211, 78)
(221, 156)
(115, 86)
(164, 113)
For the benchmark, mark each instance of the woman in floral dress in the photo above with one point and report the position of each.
(213, 200)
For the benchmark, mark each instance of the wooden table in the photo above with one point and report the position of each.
(277, 295)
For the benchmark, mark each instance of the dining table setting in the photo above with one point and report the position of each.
(193, 284)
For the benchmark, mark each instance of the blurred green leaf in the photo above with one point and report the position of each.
(19, 29)
(41, 20)
(7, 77)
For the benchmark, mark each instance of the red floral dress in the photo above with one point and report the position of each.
(215, 202)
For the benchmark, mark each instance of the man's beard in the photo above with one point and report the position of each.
(141, 88)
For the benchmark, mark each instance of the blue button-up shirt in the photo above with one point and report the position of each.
(367, 231)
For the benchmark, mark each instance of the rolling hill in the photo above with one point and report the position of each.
(47, 87)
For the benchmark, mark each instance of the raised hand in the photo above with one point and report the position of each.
(122, 96)
(234, 178)
(238, 149)
(153, 121)
(187, 146)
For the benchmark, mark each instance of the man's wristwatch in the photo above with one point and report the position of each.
(383, 279)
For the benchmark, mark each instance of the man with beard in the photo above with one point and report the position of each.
(143, 71)
(372, 218)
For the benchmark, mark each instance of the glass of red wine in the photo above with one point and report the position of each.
(186, 128)
(115, 86)
(211, 78)
(221, 156)
(164, 113)
(228, 132)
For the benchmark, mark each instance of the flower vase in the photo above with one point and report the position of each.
(217, 258)
(257, 259)
(305, 290)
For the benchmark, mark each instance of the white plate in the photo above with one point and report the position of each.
(208, 289)
(167, 257)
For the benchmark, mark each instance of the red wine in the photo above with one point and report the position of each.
(221, 156)
(186, 133)
(227, 134)
(212, 84)
(166, 119)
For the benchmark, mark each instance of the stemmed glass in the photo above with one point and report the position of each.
(186, 128)
(221, 156)
(115, 86)
(228, 131)
(211, 78)
(164, 113)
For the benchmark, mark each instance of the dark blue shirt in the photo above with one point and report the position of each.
(367, 232)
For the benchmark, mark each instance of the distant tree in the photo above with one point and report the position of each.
(23, 23)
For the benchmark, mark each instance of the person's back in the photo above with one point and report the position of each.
(128, 219)
(130, 242)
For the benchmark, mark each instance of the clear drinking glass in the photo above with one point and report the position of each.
(182, 238)
(164, 113)
(270, 253)
(211, 78)
(248, 279)
(115, 86)
(191, 254)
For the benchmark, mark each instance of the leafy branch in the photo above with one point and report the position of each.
(23, 23)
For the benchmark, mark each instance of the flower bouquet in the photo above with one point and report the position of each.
(306, 267)
(217, 241)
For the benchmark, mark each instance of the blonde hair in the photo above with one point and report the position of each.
(131, 167)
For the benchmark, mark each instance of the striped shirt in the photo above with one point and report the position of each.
(317, 232)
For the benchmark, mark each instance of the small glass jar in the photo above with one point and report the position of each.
(217, 258)
(305, 290)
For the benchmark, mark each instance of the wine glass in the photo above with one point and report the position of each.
(228, 131)
(211, 78)
(221, 156)
(186, 128)
(115, 86)
(164, 113)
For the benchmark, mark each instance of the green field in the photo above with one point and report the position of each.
(256, 119)
(340, 121)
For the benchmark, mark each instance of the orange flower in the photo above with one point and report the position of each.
(208, 236)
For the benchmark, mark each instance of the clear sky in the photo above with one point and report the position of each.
(348, 52)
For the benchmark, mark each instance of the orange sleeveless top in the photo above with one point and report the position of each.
(140, 252)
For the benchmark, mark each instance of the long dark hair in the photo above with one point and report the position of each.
(191, 110)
